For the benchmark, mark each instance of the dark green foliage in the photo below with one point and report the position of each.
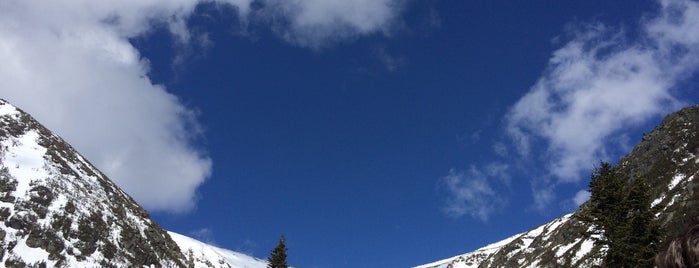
(278, 257)
(643, 228)
(606, 196)
(622, 215)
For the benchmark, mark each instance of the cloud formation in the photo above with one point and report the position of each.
(317, 23)
(71, 65)
(599, 84)
(472, 193)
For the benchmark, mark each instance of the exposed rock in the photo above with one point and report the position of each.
(55, 201)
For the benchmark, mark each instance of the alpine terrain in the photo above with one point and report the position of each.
(57, 210)
(666, 159)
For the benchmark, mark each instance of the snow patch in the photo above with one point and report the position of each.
(673, 183)
(585, 248)
(563, 249)
(25, 162)
(657, 201)
(29, 255)
(676, 180)
(673, 200)
(7, 109)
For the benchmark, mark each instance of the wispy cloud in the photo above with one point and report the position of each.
(472, 193)
(390, 61)
(71, 65)
(600, 83)
(318, 23)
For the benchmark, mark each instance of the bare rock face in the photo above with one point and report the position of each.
(667, 158)
(57, 210)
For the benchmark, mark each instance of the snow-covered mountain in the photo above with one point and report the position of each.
(58, 210)
(666, 158)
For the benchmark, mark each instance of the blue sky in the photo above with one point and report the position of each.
(371, 133)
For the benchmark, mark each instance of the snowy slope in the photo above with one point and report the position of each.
(57, 210)
(471, 259)
(522, 244)
(203, 255)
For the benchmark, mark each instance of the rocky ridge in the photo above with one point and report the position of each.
(666, 158)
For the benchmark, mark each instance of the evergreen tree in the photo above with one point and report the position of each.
(623, 218)
(643, 229)
(607, 211)
(278, 256)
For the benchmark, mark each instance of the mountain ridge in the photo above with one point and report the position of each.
(666, 158)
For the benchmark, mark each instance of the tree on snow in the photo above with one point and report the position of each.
(278, 256)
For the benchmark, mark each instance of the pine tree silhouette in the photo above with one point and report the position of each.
(278, 257)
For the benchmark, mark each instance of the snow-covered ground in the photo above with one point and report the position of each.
(471, 259)
(205, 255)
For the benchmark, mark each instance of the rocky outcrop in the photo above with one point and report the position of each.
(58, 210)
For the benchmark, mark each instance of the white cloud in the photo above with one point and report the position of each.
(70, 64)
(600, 83)
(597, 86)
(316, 23)
(471, 193)
(543, 195)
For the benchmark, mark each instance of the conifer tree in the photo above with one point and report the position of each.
(643, 230)
(607, 211)
(278, 256)
(623, 218)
